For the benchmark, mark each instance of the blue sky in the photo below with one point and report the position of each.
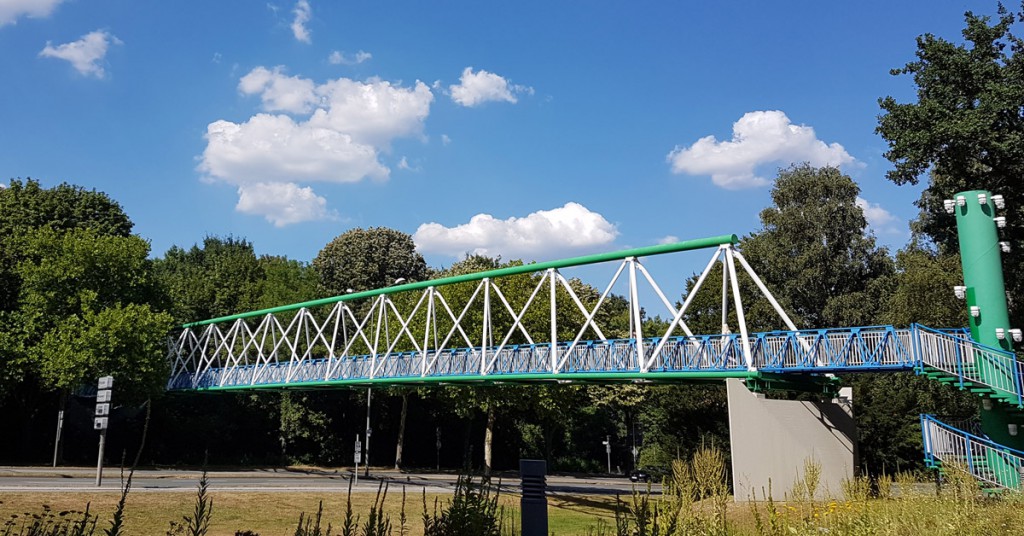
(532, 130)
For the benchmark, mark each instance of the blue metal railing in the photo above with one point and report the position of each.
(818, 351)
(946, 446)
(971, 361)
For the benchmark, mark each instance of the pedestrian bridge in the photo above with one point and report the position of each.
(467, 330)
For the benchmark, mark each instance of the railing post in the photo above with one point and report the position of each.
(1016, 382)
(926, 436)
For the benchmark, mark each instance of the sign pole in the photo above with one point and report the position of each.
(56, 443)
(101, 420)
(99, 462)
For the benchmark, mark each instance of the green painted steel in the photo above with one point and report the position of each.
(475, 379)
(981, 259)
(983, 268)
(688, 245)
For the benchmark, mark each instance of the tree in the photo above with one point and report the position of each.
(966, 130)
(286, 281)
(222, 277)
(367, 259)
(923, 289)
(74, 284)
(823, 275)
(814, 247)
(125, 341)
(85, 311)
(25, 206)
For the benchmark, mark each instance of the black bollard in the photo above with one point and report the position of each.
(534, 503)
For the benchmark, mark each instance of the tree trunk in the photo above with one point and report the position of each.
(401, 430)
(488, 440)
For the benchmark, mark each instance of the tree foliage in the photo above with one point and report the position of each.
(220, 278)
(823, 275)
(966, 130)
(367, 259)
(71, 269)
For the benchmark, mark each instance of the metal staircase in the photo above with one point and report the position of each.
(994, 465)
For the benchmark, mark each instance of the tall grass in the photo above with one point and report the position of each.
(696, 501)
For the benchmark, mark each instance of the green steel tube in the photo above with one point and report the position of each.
(983, 269)
(981, 259)
(700, 243)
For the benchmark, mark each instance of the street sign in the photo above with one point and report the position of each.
(359, 450)
(101, 420)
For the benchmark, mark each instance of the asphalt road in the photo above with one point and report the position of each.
(82, 479)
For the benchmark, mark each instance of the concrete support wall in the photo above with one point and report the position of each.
(771, 439)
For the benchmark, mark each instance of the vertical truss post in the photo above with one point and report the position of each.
(741, 319)
(376, 337)
(485, 334)
(634, 311)
(426, 330)
(554, 322)
(725, 297)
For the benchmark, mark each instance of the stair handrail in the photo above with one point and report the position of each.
(1014, 457)
(1007, 361)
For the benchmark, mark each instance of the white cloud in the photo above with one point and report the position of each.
(278, 91)
(336, 134)
(668, 239)
(404, 164)
(275, 148)
(303, 12)
(570, 227)
(338, 57)
(477, 88)
(445, 139)
(374, 111)
(282, 203)
(11, 10)
(881, 220)
(85, 54)
(758, 138)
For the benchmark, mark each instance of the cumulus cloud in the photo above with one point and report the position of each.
(668, 239)
(571, 227)
(303, 12)
(277, 148)
(85, 54)
(445, 139)
(338, 57)
(335, 133)
(879, 219)
(278, 91)
(477, 88)
(758, 138)
(11, 10)
(282, 203)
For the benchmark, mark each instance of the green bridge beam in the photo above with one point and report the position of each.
(700, 243)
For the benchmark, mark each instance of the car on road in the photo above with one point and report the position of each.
(639, 475)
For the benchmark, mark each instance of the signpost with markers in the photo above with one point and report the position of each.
(101, 419)
(358, 458)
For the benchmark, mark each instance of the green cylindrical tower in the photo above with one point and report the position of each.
(981, 258)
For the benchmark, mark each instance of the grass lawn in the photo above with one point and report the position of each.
(276, 514)
(961, 509)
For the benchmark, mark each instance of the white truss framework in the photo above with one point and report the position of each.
(439, 333)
